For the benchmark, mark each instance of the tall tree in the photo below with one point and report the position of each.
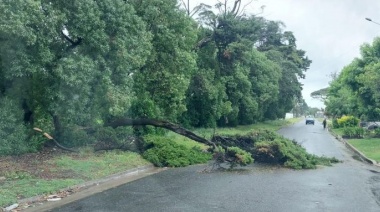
(160, 85)
(355, 91)
(69, 63)
(281, 48)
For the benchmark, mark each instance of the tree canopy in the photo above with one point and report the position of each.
(71, 68)
(355, 91)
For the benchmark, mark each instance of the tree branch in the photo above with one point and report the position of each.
(55, 141)
(236, 7)
(163, 124)
(203, 42)
(187, 7)
(73, 43)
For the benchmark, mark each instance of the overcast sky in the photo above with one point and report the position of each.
(330, 31)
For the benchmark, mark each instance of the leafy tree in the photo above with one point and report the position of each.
(320, 94)
(160, 85)
(355, 90)
(70, 62)
(281, 48)
(72, 67)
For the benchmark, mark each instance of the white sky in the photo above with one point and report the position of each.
(330, 31)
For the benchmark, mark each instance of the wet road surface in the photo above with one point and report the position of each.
(348, 186)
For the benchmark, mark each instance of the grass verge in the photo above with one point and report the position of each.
(92, 166)
(63, 171)
(13, 190)
(370, 147)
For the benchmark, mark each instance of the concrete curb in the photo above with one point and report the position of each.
(360, 154)
(131, 173)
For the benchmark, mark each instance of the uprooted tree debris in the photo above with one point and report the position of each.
(262, 146)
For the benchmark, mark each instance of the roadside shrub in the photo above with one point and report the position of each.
(348, 121)
(375, 133)
(163, 152)
(335, 124)
(73, 136)
(353, 132)
(13, 133)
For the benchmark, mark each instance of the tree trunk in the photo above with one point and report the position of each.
(163, 124)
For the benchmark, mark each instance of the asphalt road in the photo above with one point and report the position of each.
(348, 186)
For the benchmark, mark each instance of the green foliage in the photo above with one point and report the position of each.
(355, 90)
(163, 81)
(163, 152)
(77, 65)
(119, 138)
(288, 153)
(347, 121)
(73, 81)
(242, 157)
(353, 132)
(13, 132)
(74, 137)
(375, 133)
(269, 147)
(335, 124)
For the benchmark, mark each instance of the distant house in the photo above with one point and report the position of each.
(288, 115)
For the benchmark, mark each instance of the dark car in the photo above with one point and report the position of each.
(309, 120)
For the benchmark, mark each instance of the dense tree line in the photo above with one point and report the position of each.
(72, 67)
(355, 90)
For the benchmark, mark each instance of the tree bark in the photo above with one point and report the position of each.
(163, 124)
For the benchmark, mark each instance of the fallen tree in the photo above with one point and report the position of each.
(263, 146)
(221, 153)
(162, 124)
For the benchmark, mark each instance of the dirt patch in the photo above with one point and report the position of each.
(38, 165)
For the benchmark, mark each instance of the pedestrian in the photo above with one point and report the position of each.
(324, 123)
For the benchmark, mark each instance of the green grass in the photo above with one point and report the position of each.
(338, 131)
(12, 190)
(370, 147)
(95, 166)
(244, 129)
(182, 140)
(80, 168)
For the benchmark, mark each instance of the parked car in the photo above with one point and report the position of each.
(310, 120)
(370, 125)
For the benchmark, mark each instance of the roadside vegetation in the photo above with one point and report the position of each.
(50, 170)
(71, 74)
(370, 147)
(353, 95)
(367, 141)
